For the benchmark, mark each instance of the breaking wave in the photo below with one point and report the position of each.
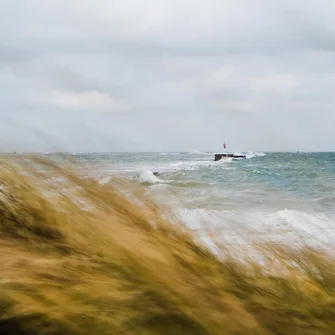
(251, 154)
(289, 227)
(148, 177)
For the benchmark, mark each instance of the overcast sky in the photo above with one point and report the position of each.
(167, 75)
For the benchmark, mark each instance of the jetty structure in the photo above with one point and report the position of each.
(218, 157)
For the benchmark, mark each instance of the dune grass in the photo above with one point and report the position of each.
(78, 257)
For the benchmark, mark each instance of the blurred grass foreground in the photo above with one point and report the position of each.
(78, 257)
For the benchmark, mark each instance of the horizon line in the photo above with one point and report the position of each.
(163, 151)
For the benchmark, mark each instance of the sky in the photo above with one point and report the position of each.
(167, 75)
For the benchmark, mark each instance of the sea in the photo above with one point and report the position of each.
(286, 198)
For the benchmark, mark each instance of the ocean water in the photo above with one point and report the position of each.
(279, 197)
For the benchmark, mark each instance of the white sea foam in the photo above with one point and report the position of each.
(193, 165)
(148, 177)
(245, 229)
(188, 165)
(224, 160)
(105, 180)
(251, 154)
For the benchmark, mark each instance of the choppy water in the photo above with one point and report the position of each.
(278, 196)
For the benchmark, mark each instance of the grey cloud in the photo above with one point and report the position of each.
(166, 75)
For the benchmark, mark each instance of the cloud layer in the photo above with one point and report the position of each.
(159, 75)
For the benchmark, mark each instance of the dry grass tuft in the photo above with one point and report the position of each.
(77, 257)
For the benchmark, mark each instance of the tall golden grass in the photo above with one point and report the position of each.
(78, 257)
